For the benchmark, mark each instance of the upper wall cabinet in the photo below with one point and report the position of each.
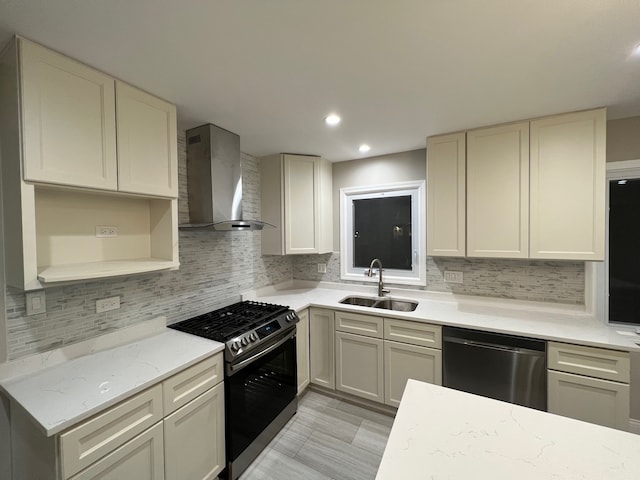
(80, 203)
(446, 195)
(568, 186)
(498, 191)
(297, 199)
(70, 115)
(534, 189)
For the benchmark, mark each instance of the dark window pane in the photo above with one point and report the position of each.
(624, 251)
(382, 229)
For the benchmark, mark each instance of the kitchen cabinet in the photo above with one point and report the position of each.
(411, 350)
(568, 186)
(302, 350)
(360, 366)
(322, 347)
(297, 199)
(172, 430)
(67, 220)
(555, 213)
(446, 194)
(498, 191)
(589, 384)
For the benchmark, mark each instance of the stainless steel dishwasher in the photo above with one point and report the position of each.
(504, 367)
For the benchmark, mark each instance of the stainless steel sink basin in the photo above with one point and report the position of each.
(383, 303)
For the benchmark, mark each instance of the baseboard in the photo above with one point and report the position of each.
(634, 426)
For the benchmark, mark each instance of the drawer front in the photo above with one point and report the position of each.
(191, 382)
(590, 361)
(93, 439)
(415, 333)
(366, 325)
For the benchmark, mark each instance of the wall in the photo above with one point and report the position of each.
(215, 268)
(560, 282)
(623, 139)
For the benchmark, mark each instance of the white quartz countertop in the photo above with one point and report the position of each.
(60, 395)
(440, 433)
(545, 321)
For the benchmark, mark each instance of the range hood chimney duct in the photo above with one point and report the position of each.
(214, 180)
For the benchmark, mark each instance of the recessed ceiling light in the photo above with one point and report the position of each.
(364, 148)
(636, 51)
(332, 119)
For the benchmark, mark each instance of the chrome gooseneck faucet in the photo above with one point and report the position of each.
(381, 289)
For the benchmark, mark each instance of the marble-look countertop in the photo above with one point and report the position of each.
(440, 433)
(64, 392)
(562, 323)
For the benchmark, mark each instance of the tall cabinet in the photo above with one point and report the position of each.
(297, 199)
(89, 170)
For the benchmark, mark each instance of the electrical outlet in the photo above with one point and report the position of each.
(452, 277)
(36, 302)
(106, 231)
(322, 268)
(106, 304)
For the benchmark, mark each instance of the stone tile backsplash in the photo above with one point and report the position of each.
(544, 281)
(215, 267)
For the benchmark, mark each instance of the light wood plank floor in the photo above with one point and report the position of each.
(326, 439)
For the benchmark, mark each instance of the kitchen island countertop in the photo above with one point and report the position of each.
(440, 433)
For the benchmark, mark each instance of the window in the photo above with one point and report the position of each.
(618, 278)
(385, 222)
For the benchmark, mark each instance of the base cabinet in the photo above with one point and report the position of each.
(322, 347)
(360, 366)
(141, 458)
(194, 438)
(404, 361)
(302, 350)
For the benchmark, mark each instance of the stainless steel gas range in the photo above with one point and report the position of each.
(260, 373)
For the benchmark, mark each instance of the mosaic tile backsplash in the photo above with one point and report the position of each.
(216, 267)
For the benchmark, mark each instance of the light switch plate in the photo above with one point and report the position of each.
(451, 276)
(106, 304)
(322, 268)
(36, 302)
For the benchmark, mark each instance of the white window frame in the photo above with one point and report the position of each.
(418, 274)
(615, 171)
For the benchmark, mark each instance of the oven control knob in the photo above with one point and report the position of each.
(253, 337)
(244, 341)
(235, 346)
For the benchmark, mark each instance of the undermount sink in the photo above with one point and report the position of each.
(384, 303)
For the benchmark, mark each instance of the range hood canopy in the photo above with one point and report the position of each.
(214, 180)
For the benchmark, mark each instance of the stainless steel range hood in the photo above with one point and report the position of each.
(214, 180)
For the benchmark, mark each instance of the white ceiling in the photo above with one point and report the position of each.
(397, 71)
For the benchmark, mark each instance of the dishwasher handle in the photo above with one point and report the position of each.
(493, 346)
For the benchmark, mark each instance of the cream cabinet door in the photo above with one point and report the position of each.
(498, 191)
(359, 366)
(194, 438)
(147, 143)
(140, 458)
(589, 399)
(568, 186)
(446, 195)
(301, 177)
(68, 121)
(302, 349)
(402, 362)
(322, 347)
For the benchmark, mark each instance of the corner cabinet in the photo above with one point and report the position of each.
(534, 189)
(173, 430)
(89, 170)
(297, 199)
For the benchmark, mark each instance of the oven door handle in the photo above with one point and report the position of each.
(233, 369)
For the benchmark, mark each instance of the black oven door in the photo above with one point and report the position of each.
(259, 388)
